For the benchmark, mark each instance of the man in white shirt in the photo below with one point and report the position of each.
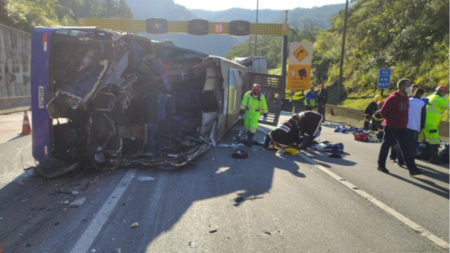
(416, 122)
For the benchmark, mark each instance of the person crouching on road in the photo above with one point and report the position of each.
(438, 102)
(395, 114)
(285, 135)
(309, 126)
(310, 99)
(371, 108)
(253, 104)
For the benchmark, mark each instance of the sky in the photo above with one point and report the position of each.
(216, 5)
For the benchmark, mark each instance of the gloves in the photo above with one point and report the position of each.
(242, 116)
(264, 119)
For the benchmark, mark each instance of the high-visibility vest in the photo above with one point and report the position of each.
(311, 96)
(435, 109)
(253, 104)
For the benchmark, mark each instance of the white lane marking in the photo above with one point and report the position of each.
(416, 227)
(87, 238)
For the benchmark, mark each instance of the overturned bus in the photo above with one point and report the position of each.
(104, 99)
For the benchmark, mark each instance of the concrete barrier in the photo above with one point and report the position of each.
(14, 104)
(354, 117)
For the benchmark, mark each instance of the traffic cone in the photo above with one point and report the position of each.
(26, 129)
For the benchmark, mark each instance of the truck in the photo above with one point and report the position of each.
(107, 99)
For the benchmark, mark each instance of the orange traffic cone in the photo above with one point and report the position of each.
(26, 129)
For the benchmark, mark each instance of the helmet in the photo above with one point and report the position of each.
(256, 88)
(380, 103)
(378, 98)
(296, 116)
(442, 88)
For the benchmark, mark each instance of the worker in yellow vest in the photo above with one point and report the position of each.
(438, 103)
(253, 104)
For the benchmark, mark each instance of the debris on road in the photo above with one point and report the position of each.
(20, 183)
(212, 231)
(145, 178)
(66, 202)
(238, 201)
(230, 145)
(72, 186)
(342, 179)
(135, 225)
(240, 153)
(75, 193)
(77, 202)
(191, 244)
(25, 200)
(93, 250)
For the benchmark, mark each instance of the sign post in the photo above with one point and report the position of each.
(299, 71)
(384, 78)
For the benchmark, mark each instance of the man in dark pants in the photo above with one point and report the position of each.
(416, 122)
(322, 100)
(395, 114)
(285, 135)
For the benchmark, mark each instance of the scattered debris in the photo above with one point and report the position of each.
(57, 223)
(280, 152)
(342, 179)
(335, 156)
(230, 145)
(77, 202)
(119, 250)
(275, 219)
(75, 193)
(240, 153)
(74, 185)
(66, 202)
(238, 201)
(192, 244)
(1, 218)
(27, 245)
(355, 188)
(212, 231)
(145, 178)
(20, 183)
(25, 200)
(93, 250)
(135, 225)
(272, 233)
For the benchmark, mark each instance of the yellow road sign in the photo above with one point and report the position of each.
(300, 53)
(299, 77)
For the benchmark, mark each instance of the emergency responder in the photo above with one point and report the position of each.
(310, 99)
(308, 126)
(377, 121)
(253, 104)
(285, 135)
(438, 103)
(322, 97)
(371, 108)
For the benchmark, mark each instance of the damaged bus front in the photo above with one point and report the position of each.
(104, 99)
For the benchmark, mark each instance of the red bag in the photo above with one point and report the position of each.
(361, 137)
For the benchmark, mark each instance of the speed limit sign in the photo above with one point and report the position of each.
(218, 28)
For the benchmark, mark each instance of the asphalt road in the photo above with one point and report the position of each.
(265, 203)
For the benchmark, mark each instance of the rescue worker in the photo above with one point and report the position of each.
(310, 99)
(322, 100)
(371, 108)
(286, 135)
(438, 103)
(308, 126)
(377, 121)
(253, 104)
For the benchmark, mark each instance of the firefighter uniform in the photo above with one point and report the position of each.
(253, 108)
(434, 114)
(253, 104)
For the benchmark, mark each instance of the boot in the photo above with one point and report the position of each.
(249, 141)
(267, 141)
(435, 155)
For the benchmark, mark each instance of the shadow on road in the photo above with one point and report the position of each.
(440, 191)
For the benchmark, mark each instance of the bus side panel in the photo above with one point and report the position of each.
(40, 60)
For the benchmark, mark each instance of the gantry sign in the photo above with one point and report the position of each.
(193, 27)
(197, 27)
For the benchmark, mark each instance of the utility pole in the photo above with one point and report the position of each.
(342, 53)
(256, 36)
(286, 19)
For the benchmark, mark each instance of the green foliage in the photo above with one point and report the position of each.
(409, 36)
(26, 14)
